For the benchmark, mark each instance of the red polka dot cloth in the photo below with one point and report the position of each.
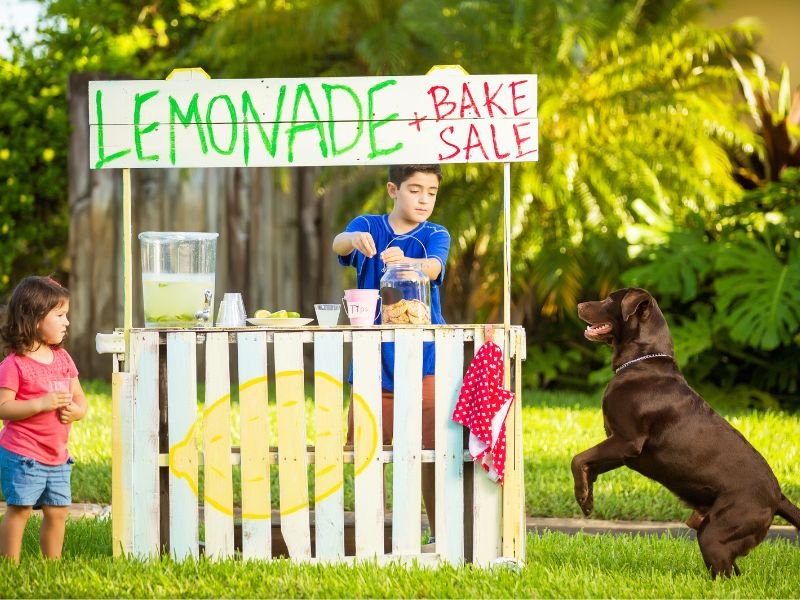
(482, 407)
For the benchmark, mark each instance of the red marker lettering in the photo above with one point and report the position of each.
(494, 142)
(490, 99)
(477, 144)
(441, 102)
(453, 146)
(522, 140)
(468, 102)
(515, 98)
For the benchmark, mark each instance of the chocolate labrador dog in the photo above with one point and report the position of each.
(659, 426)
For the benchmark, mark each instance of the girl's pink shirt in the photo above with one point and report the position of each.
(41, 437)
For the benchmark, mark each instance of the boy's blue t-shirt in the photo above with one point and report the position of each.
(426, 240)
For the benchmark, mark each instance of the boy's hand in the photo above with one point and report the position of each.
(393, 254)
(71, 412)
(363, 242)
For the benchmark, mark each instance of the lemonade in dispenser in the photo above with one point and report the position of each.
(178, 271)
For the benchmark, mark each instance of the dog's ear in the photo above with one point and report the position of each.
(634, 300)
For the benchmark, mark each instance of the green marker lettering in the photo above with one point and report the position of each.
(233, 123)
(192, 113)
(271, 144)
(302, 90)
(373, 125)
(101, 150)
(140, 99)
(329, 89)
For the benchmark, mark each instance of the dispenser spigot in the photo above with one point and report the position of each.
(204, 314)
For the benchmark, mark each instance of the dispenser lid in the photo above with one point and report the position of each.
(177, 236)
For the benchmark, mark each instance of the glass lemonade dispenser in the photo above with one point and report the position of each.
(178, 271)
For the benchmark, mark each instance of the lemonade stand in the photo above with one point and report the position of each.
(175, 465)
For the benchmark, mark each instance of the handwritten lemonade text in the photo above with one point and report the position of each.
(314, 121)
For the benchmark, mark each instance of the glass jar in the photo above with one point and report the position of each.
(405, 295)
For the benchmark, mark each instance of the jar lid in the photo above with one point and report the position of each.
(402, 265)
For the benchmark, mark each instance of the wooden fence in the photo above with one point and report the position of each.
(174, 462)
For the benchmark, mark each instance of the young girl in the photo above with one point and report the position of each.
(40, 396)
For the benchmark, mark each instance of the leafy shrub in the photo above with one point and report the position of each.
(731, 292)
(547, 363)
(34, 131)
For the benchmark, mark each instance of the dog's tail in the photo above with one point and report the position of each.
(789, 511)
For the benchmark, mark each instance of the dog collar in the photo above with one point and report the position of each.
(635, 360)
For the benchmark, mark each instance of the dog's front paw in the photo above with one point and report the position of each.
(584, 496)
(583, 486)
(586, 503)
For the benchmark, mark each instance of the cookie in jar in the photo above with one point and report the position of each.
(406, 312)
(405, 295)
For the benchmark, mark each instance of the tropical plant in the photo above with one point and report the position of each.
(731, 290)
(641, 81)
(325, 38)
(758, 295)
(778, 126)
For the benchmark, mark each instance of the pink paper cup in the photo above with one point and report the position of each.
(360, 306)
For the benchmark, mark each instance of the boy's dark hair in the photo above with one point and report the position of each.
(30, 302)
(399, 173)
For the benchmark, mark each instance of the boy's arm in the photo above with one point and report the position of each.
(432, 267)
(347, 241)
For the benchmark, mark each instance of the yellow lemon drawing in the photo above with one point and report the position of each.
(216, 418)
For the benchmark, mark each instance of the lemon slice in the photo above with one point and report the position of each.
(278, 314)
(262, 314)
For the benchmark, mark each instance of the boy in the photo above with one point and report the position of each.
(404, 235)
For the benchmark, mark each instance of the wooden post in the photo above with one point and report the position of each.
(513, 490)
(127, 262)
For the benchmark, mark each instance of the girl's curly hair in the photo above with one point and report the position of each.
(30, 302)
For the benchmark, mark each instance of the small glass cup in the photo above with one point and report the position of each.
(327, 314)
(62, 386)
(231, 311)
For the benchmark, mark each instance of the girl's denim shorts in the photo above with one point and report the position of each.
(27, 482)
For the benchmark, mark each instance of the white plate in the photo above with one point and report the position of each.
(289, 322)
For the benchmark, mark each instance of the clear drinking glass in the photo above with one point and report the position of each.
(327, 314)
(231, 311)
(60, 385)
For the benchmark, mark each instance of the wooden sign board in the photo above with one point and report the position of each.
(444, 117)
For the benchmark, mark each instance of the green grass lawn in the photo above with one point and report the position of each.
(558, 566)
(556, 426)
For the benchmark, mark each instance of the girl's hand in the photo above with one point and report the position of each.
(54, 401)
(393, 254)
(70, 413)
(363, 242)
